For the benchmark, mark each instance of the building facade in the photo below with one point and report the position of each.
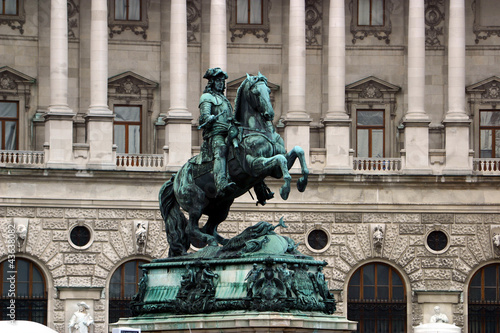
(394, 102)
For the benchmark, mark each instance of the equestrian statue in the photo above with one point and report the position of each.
(240, 149)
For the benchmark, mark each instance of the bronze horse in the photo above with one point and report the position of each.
(256, 151)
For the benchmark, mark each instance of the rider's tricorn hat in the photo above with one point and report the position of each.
(214, 72)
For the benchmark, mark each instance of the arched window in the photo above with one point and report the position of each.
(27, 282)
(376, 298)
(122, 287)
(484, 300)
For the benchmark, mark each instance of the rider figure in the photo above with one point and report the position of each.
(216, 117)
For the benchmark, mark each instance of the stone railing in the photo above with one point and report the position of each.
(486, 166)
(139, 162)
(377, 165)
(30, 159)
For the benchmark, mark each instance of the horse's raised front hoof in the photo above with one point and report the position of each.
(284, 192)
(301, 184)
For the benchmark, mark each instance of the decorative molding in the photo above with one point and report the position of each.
(485, 92)
(140, 27)
(131, 86)
(379, 32)
(314, 20)
(434, 21)
(193, 20)
(73, 18)
(258, 30)
(16, 22)
(372, 91)
(15, 84)
(481, 31)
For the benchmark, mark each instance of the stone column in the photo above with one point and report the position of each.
(416, 120)
(456, 120)
(297, 120)
(337, 122)
(218, 34)
(178, 120)
(59, 117)
(99, 117)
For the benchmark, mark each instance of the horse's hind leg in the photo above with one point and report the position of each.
(291, 156)
(196, 199)
(216, 217)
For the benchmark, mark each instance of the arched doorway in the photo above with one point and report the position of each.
(29, 287)
(122, 287)
(484, 300)
(376, 299)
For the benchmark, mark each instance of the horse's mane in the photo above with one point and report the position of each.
(237, 101)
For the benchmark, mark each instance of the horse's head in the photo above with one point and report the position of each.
(255, 92)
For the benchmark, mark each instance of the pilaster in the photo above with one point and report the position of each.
(218, 34)
(297, 120)
(99, 118)
(59, 117)
(457, 123)
(337, 122)
(416, 120)
(178, 120)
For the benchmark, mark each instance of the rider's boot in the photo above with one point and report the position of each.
(222, 185)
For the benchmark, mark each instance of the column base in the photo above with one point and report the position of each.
(178, 140)
(297, 133)
(59, 139)
(416, 147)
(337, 144)
(458, 161)
(100, 140)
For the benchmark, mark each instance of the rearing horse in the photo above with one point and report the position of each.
(256, 152)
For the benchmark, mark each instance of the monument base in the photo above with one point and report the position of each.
(239, 322)
(437, 328)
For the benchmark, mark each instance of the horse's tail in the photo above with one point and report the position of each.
(175, 221)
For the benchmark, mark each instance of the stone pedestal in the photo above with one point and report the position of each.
(100, 139)
(297, 133)
(417, 147)
(337, 134)
(240, 322)
(436, 328)
(59, 134)
(457, 148)
(178, 139)
(257, 282)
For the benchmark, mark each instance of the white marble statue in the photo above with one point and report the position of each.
(378, 235)
(140, 235)
(21, 232)
(496, 241)
(438, 317)
(81, 320)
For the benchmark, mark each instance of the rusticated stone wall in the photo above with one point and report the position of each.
(351, 244)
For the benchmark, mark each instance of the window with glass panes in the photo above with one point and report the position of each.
(371, 12)
(30, 290)
(249, 11)
(127, 129)
(376, 299)
(8, 125)
(484, 300)
(370, 133)
(122, 287)
(489, 132)
(128, 10)
(9, 7)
